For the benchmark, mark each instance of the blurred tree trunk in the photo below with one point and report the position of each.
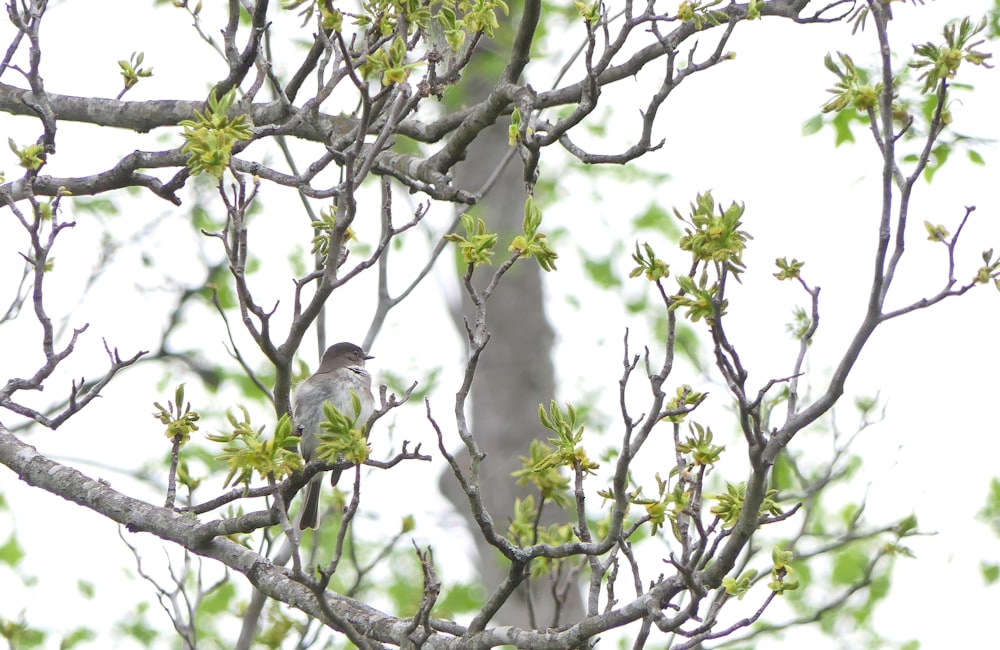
(515, 371)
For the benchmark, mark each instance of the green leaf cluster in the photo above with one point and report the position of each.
(325, 226)
(700, 13)
(211, 136)
(942, 61)
(739, 586)
(514, 129)
(380, 18)
(180, 424)
(480, 15)
(19, 634)
(590, 12)
(649, 264)
(937, 233)
(567, 452)
(131, 71)
(524, 530)
(531, 242)
(30, 157)
(853, 89)
(801, 322)
(390, 62)
(341, 436)
(669, 503)
(329, 17)
(700, 447)
(990, 270)
(697, 299)
(544, 475)
(452, 27)
(788, 270)
(384, 16)
(522, 524)
(715, 237)
(247, 451)
(685, 397)
(477, 245)
(780, 583)
(731, 503)
(45, 212)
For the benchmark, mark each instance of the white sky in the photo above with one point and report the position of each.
(736, 130)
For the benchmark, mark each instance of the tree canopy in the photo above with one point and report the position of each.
(298, 173)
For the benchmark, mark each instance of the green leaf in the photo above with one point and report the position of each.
(879, 588)
(781, 475)
(906, 525)
(458, 599)
(659, 219)
(136, 625)
(85, 588)
(990, 572)
(849, 566)
(990, 514)
(813, 125)
(210, 138)
(11, 552)
(19, 635)
(97, 205)
(842, 127)
(218, 600)
(601, 272)
(76, 637)
(514, 130)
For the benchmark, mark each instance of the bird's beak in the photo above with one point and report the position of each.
(367, 357)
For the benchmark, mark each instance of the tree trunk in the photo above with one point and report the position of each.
(515, 374)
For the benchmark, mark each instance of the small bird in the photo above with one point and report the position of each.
(341, 372)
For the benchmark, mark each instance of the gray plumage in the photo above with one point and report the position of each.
(341, 372)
